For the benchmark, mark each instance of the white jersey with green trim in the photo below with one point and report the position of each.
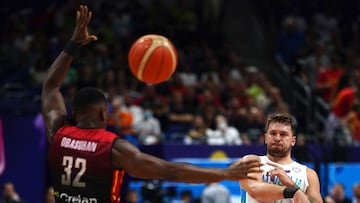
(295, 170)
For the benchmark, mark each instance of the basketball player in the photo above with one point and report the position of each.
(283, 179)
(86, 161)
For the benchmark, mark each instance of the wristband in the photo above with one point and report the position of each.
(72, 48)
(289, 192)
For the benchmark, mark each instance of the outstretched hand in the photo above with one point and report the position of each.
(81, 34)
(243, 167)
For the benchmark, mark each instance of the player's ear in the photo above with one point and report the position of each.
(293, 140)
(103, 114)
(265, 138)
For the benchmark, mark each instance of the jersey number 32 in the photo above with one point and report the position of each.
(69, 162)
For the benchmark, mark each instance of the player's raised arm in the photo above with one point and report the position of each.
(53, 106)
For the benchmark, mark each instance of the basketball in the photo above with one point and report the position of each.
(152, 58)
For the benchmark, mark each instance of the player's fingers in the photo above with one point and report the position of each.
(83, 15)
(250, 161)
(86, 10)
(88, 18)
(254, 164)
(250, 177)
(93, 38)
(255, 170)
(77, 16)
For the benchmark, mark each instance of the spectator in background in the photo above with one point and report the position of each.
(311, 64)
(337, 193)
(215, 193)
(223, 134)
(291, 42)
(109, 80)
(190, 98)
(276, 103)
(38, 72)
(49, 195)
(136, 110)
(188, 76)
(121, 121)
(186, 196)
(351, 122)
(150, 97)
(132, 196)
(9, 194)
(328, 78)
(197, 133)
(255, 122)
(176, 84)
(209, 106)
(148, 130)
(325, 25)
(356, 193)
(335, 132)
(180, 114)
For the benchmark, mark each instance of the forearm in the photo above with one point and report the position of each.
(263, 191)
(192, 174)
(58, 71)
(154, 168)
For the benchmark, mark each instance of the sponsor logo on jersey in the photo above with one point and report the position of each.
(296, 169)
(64, 197)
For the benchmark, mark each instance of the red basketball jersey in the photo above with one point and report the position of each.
(81, 167)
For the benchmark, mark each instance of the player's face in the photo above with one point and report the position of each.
(279, 139)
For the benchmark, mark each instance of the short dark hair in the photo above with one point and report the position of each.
(283, 118)
(86, 98)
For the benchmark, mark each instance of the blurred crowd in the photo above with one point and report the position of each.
(214, 97)
(319, 42)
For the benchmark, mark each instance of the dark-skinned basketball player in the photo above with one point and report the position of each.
(87, 162)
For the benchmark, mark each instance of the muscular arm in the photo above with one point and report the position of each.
(262, 191)
(53, 106)
(141, 165)
(52, 102)
(313, 190)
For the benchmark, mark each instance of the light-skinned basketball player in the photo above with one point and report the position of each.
(283, 179)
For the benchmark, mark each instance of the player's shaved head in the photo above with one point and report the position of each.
(87, 98)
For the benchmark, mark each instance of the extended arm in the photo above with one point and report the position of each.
(53, 106)
(141, 165)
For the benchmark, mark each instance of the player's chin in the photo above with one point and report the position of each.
(276, 146)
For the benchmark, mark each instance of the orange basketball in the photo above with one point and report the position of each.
(152, 59)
